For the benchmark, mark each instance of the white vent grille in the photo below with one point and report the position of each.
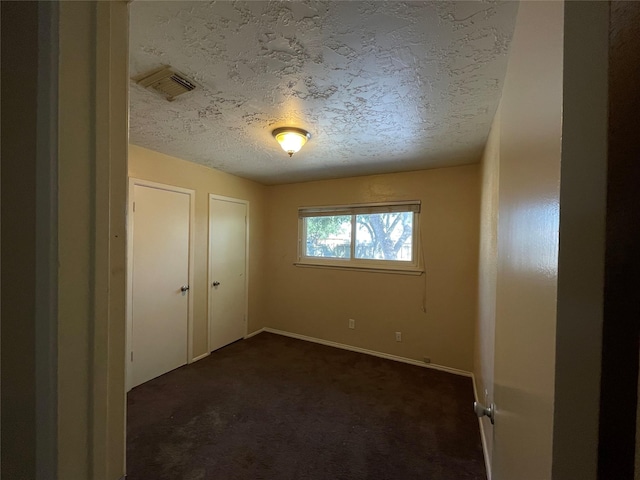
(165, 80)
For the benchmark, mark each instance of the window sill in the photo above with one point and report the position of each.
(397, 271)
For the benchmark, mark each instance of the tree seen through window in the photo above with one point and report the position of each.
(378, 236)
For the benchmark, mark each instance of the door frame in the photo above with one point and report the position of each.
(213, 196)
(133, 182)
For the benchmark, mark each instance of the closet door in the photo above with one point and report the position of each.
(227, 271)
(160, 282)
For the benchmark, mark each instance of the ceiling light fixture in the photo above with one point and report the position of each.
(291, 139)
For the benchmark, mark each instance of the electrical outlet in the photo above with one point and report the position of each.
(352, 323)
(398, 336)
(427, 359)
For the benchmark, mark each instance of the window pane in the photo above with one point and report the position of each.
(328, 236)
(385, 236)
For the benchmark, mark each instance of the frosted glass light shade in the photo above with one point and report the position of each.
(291, 139)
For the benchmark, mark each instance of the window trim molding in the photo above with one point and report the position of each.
(360, 208)
(362, 268)
(414, 267)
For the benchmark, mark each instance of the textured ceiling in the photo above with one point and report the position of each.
(381, 86)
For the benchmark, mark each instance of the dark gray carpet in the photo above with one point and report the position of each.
(278, 408)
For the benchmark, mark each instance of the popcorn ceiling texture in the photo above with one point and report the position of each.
(381, 86)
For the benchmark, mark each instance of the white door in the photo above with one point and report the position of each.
(227, 271)
(160, 278)
(527, 266)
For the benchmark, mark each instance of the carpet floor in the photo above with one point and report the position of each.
(277, 408)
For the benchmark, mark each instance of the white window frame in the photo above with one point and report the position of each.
(413, 267)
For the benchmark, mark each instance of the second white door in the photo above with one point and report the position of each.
(227, 271)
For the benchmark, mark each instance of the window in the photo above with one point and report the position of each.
(373, 236)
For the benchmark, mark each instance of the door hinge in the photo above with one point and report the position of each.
(132, 355)
(134, 207)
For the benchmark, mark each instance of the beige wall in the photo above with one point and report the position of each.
(295, 299)
(75, 256)
(487, 276)
(91, 180)
(150, 165)
(79, 177)
(109, 330)
(318, 302)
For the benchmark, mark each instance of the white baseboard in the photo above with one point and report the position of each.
(200, 357)
(253, 334)
(343, 346)
(483, 437)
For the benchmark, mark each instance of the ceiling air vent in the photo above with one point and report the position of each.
(166, 80)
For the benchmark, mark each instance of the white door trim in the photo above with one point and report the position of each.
(246, 266)
(130, 226)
